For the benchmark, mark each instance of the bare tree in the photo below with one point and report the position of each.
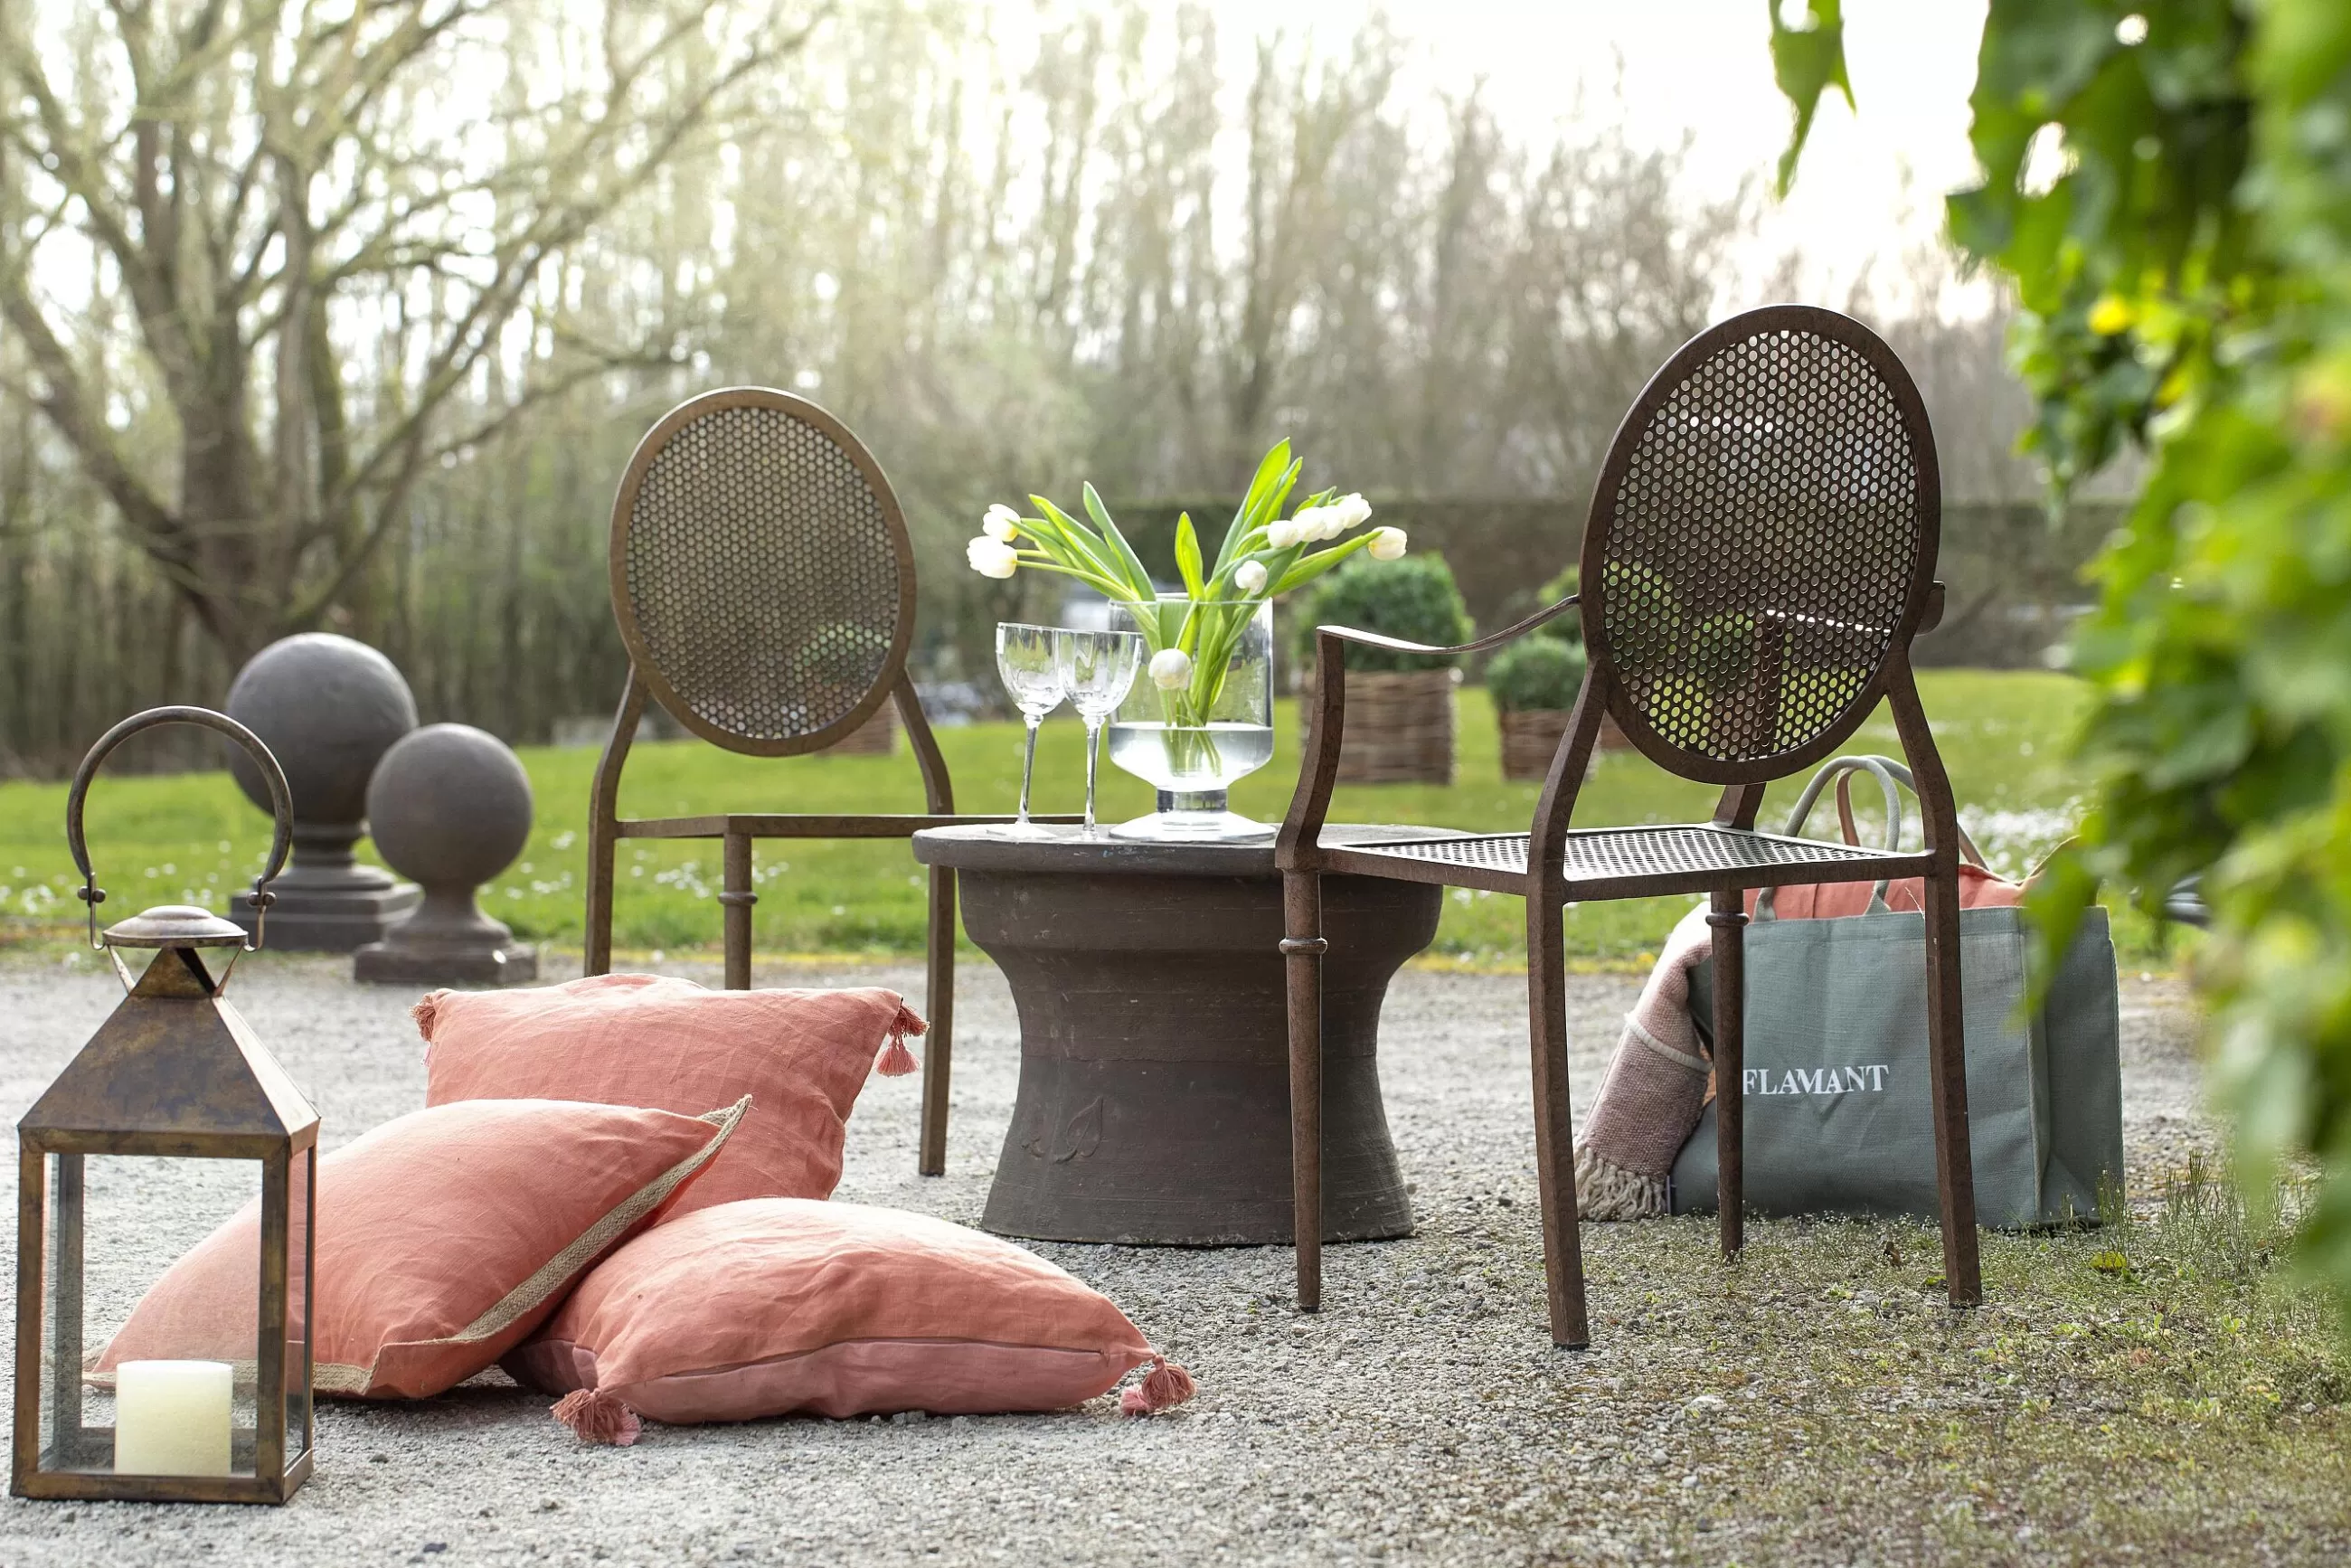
(326, 221)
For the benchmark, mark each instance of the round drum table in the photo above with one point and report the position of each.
(1154, 1058)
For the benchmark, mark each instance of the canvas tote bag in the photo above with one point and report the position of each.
(1838, 1104)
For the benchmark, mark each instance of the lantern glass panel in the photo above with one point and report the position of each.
(301, 1199)
(125, 1220)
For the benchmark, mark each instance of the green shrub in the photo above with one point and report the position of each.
(1646, 614)
(1536, 672)
(1414, 599)
(1569, 627)
(1726, 650)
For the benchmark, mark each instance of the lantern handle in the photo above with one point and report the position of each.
(281, 803)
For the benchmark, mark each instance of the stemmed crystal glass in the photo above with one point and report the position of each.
(1031, 672)
(1097, 669)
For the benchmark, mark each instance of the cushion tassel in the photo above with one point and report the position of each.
(595, 1416)
(1606, 1190)
(1165, 1387)
(896, 1059)
(426, 1013)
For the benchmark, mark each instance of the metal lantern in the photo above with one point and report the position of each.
(173, 1100)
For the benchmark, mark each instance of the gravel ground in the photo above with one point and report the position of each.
(1424, 1418)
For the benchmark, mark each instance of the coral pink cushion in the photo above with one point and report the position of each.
(640, 1039)
(1979, 889)
(443, 1237)
(777, 1305)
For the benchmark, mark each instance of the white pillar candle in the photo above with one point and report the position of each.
(171, 1417)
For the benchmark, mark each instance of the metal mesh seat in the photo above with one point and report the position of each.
(1670, 856)
(1759, 554)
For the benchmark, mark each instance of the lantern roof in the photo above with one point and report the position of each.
(173, 1061)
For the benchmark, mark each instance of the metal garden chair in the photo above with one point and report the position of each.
(764, 584)
(1759, 554)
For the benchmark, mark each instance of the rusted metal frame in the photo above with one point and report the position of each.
(1546, 898)
(1303, 946)
(1946, 1026)
(69, 1214)
(162, 1145)
(1727, 917)
(1738, 807)
(32, 1254)
(736, 896)
(773, 825)
(1477, 645)
(1297, 844)
(1298, 852)
(1658, 885)
(939, 941)
(604, 827)
(1354, 860)
(1350, 860)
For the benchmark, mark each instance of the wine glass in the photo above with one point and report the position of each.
(1097, 668)
(1032, 673)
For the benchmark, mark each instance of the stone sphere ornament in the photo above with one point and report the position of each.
(328, 708)
(450, 805)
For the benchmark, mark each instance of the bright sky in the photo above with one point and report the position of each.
(1871, 180)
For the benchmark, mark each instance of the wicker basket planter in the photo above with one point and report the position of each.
(1530, 739)
(877, 737)
(1399, 727)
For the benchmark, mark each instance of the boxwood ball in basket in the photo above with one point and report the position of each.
(450, 806)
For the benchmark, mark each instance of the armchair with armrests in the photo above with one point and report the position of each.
(1758, 555)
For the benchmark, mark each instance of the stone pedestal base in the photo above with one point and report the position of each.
(447, 942)
(332, 915)
(391, 963)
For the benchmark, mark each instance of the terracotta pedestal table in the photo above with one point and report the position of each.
(1154, 1070)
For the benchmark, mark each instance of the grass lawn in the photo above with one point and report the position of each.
(194, 839)
(2164, 1389)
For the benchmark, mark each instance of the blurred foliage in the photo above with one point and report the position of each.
(1414, 599)
(2168, 187)
(1536, 672)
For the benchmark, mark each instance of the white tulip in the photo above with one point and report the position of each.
(1284, 532)
(1002, 524)
(992, 557)
(1171, 668)
(1351, 509)
(1387, 544)
(1250, 578)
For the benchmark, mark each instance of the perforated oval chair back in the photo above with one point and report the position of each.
(761, 572)
(1758, 555)
(764, 584)
(1761, 539)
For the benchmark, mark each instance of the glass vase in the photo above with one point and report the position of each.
(1191, 727)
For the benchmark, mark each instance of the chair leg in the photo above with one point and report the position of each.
(597, 958)
(1302, 947)
(1555, 1124)
(1727, 916)
(1947, 1054)
(734, 894)
(938, 999)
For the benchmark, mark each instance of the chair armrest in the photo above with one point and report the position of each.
(1934, 615)
(1398, 644)
(1302, 829)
